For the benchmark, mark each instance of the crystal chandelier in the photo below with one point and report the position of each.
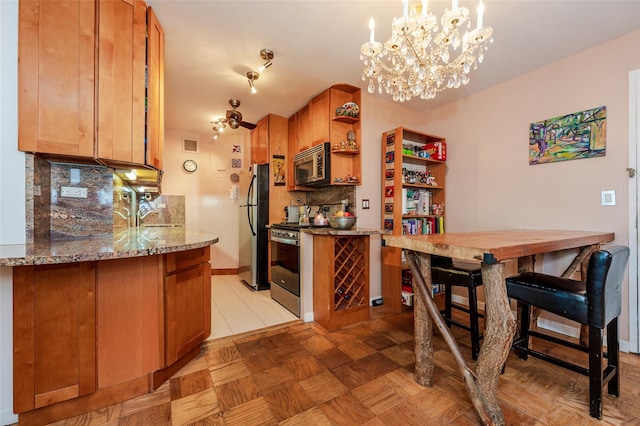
(420, 59)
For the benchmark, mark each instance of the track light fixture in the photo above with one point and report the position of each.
(252, 76)
(267, 56)
(218, 127)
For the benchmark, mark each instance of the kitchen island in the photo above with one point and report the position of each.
(101, 320)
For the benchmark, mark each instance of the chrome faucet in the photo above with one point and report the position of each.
(143, 211)
(127, 217)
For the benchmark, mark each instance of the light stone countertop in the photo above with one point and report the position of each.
(332, 231)
(125, 242)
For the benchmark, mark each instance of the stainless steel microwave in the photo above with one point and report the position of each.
(313, 166)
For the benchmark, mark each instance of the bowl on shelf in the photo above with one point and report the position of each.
(342, 222)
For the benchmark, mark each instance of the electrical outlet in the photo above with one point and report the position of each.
(73, 192)
(161, 206)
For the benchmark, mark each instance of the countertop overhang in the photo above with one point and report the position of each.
(131, 242)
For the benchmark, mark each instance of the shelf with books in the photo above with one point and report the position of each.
(413, 190)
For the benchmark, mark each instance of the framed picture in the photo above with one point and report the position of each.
(236, 163)
(569, 137)
(236, 149)
(278, 167)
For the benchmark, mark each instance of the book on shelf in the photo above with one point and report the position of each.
(423, 225)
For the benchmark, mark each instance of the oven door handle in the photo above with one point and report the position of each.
(285, 241)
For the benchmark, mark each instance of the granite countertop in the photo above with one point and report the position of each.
(333, 231)
(127, 242)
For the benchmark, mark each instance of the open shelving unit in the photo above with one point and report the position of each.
(413, 191)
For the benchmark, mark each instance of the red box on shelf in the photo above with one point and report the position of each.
(436, 150)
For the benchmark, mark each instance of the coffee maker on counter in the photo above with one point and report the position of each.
(292, 214)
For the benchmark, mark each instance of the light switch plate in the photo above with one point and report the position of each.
(608, 198)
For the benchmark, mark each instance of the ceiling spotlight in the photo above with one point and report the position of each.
(267, 56)
(218, 127)
(252, 76)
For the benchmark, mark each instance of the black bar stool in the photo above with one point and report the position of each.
(596, 302)
(453, 273)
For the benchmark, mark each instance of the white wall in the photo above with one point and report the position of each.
(490, 184)
(12, 201)
(208, 206)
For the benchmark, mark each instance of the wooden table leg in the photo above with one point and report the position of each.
(423, 327)
(489, 414)
(500, 327)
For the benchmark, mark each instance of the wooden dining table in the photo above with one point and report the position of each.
(492, 249)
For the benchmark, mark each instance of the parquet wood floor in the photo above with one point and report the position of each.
(300, 374)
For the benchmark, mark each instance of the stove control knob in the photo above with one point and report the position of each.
(290, 234)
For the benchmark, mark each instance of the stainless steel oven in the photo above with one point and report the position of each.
(285, 267)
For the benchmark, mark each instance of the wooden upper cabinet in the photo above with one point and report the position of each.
(121, 75)
(304, 128)
(260, 142)
(155, 92)
(81, 81)
(320, 119)
(56, 77)
(292, 150)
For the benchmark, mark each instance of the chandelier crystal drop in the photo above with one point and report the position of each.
(423, 56)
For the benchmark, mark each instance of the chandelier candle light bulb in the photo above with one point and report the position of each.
(372, 27)
(480, 11)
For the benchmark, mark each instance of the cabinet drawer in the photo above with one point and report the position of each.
(186, 259)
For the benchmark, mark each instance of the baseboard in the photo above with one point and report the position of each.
(223, 271)
(8, 417)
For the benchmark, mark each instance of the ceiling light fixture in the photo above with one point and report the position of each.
(420, 59)
(267, 56)
(252, 76)
(218, 127)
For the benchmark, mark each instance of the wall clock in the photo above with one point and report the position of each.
(190, 166)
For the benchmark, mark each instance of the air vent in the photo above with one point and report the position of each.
(190, 145)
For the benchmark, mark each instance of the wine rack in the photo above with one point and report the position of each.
(341, 280)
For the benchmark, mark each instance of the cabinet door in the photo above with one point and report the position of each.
(155, 92)
(260, 142)
(129, 327)
(320, 118)
(54, 333)
(187, 311)
(304, 128)
(121, 73)
(56, 77)
(292, 150)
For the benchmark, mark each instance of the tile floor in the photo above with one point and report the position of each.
(236, 308)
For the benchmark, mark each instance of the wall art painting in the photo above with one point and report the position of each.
(236, 163)
(569, 137)
(278, 170)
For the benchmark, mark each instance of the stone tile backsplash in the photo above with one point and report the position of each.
(52, 216)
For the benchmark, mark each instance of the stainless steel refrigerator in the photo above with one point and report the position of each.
(254, 216)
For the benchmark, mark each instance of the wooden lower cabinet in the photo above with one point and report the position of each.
(54, 334)
(129, 322)
(90, 334)
(187, 309)
(340, 280)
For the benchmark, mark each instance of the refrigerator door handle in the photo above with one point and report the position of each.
(249, 205)
(250, 219)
